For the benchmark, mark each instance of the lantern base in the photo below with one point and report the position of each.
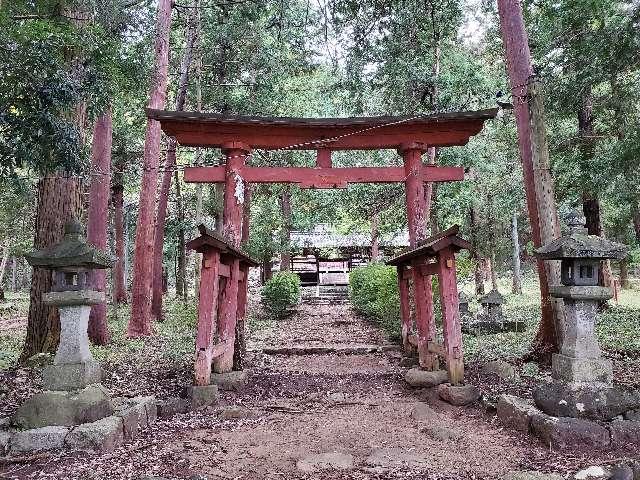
(581, 370)
(71, 376)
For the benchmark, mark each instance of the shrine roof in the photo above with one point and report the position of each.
(322, 236)
(209, 238)
(214, 130)
(432, 245)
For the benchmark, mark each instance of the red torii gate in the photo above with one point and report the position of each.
(237, 135)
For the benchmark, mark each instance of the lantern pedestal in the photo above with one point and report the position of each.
(580, 358)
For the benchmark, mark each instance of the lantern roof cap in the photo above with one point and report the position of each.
(579, 244)
(72, 251)
(494, 297)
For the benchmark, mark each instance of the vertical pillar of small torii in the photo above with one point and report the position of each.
(417, 222)
(234, 191)
(450, 315)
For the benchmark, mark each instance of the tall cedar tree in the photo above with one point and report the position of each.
(141, 290)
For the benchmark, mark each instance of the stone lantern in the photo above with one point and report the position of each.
(582, 378)
(492, 306)
(73, 394)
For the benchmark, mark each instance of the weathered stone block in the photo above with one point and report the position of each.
(38, 439)
(632, 415)
(562, 432)
(231, 381)
(458, 394)
(130, 415)
(416, 377)
(560, 399)
(625, 433)
(202, 395)
(570, 369)
(516, 412)
(64, 408)
(72, 376)
(148, 407)
(103, 435)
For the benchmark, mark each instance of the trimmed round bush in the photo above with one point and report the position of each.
(374, 293)
(280, 293)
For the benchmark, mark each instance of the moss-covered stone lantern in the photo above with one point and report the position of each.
(71, 261)
(581, 254)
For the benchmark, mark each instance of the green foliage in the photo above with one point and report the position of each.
(374, 293)
(280, 293)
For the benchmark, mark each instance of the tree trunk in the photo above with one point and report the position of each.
(285, 208)
(14, 274)
(477, 260)
(141, 291)
(529, 113)
(624, 274)
(181, 274)
(375, 240)
(636, 222)
(267, 271)
(59, 201)
(119, 270)
(517, 276)
(3, 263)
(492, 270)
(98, 218)
(169, 166)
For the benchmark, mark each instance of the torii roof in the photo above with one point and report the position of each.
(358, 133)
(209, 238)
(432, 245)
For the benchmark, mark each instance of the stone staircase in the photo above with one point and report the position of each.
(326, 295)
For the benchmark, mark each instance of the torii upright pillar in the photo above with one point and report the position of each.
(417, 221)
(234, 189)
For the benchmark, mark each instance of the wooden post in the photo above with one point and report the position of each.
(207, 308)
(234, 192)
(416, 218)
(227, 315)
(405, 311)
(450, 316)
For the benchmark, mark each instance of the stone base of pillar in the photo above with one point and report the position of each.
(64, 408)
(71, 376)
(598, 371)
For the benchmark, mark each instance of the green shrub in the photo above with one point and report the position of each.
(374, 293)
(280, 293)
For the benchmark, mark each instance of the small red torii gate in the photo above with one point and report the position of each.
(238, 135)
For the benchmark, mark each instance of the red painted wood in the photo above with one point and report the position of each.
(306, 137)
(423, 297)
(98, 219)
(451, 316)
(428, 173)
(425, 322)
(405, 310)
(234, 190)
(207, 308)
(323, 158)
(140, 321)
(227, 314)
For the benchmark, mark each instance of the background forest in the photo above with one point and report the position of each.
(75, 79)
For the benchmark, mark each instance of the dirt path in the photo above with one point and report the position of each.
(300, 405)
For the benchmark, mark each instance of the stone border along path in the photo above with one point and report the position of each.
(320, 416)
